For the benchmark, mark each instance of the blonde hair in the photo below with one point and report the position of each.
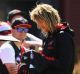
(47, 13)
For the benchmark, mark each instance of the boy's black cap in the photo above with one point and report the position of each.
(13, 13)
(20, 22)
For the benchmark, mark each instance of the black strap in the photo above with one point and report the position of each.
(16, 49)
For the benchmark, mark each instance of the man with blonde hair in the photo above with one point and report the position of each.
(58, 45)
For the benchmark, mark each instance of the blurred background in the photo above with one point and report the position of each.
(69, 11)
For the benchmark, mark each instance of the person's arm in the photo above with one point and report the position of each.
(34, 38)
(12, 68)
(34, 41)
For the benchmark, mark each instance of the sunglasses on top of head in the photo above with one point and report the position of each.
(25, 30)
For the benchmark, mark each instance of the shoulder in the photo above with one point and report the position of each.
(6, 44)
(63, 33)
(64, 37)
(6, 47)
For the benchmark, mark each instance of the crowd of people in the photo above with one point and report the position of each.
(18, 47)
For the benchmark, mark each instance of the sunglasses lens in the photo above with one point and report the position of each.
(26, 30)
(19, 29)
(22, 30)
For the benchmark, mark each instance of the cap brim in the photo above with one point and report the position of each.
(8, 38)
(23, 25)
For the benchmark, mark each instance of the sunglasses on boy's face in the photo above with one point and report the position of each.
(25, 30)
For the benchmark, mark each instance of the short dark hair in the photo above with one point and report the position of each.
(15, 12)
(20, 22)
